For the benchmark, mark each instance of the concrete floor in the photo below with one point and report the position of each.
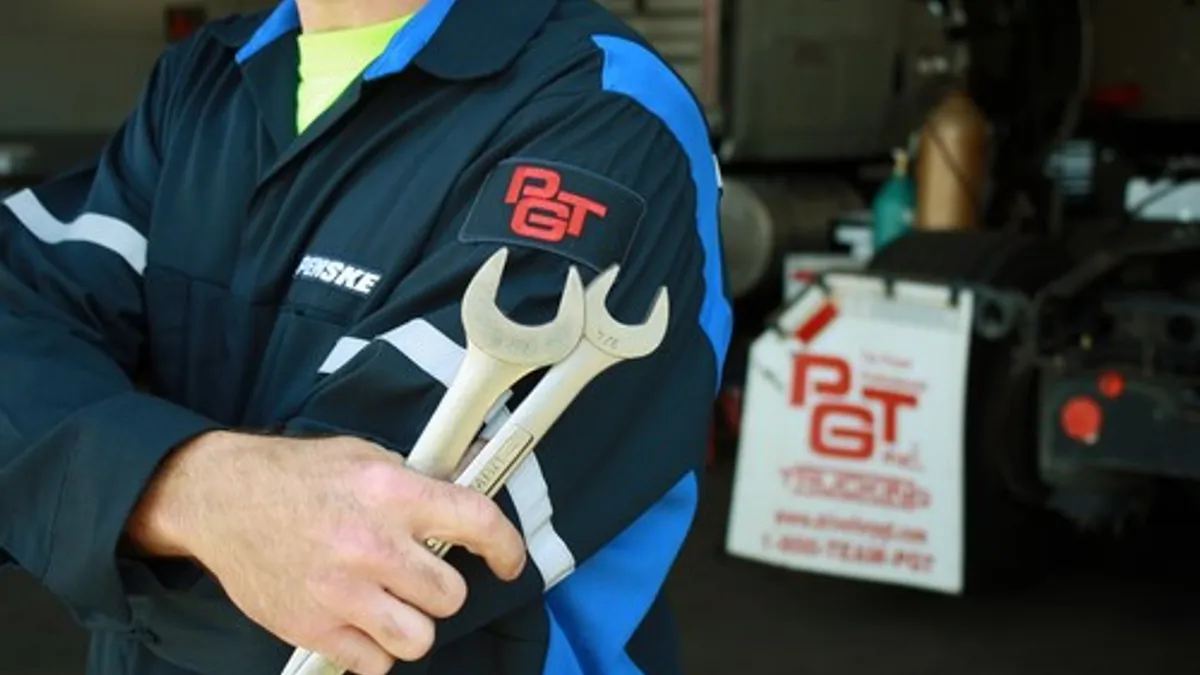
(1099, 618)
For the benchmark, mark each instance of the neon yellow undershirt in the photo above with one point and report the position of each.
(330, 61)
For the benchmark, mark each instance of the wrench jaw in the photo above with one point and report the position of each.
(619, 340)
(501, 338)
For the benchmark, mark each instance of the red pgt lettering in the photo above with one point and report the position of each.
(829, 374)
(544, 211)
(842, 430)
(841, 427)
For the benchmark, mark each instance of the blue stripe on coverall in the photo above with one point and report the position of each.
(595, 612)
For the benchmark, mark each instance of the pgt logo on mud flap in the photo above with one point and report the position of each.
(857, 487)
(841, 427)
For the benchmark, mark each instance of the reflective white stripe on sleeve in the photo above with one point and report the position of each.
(440, 357)
(346, 349)
(104, 231)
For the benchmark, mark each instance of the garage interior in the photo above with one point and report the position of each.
(1041, 155)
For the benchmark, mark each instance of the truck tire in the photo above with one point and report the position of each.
(1010, 537)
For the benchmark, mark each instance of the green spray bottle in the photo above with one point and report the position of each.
(894, 203)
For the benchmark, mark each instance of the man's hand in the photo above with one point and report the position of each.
(321, 541)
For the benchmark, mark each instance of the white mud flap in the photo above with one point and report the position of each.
(851, 454)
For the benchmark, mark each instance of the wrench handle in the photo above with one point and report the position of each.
(304, 662)
(529, 423)
(479, 383)
(551, 397)
(487, 473)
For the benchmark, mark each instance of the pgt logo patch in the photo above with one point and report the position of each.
(558, 208)
(337, 274)
(543, 210)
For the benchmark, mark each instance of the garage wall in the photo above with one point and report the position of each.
(76, 66)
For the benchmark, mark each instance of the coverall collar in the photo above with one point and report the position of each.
(450, 39)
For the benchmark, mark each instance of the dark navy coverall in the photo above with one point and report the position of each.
(214, 271)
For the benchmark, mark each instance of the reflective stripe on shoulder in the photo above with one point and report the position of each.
(440, 357)
(103, 231)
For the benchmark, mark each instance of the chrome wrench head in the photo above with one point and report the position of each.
(620, 340)
(503, 339)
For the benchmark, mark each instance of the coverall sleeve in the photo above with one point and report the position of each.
(77, 440)
(606, 503)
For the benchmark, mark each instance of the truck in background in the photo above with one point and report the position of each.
(978, 401)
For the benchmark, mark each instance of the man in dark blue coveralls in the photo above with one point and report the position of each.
(215, 341)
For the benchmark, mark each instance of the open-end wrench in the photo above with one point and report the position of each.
(499, 353)
(606, 342)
